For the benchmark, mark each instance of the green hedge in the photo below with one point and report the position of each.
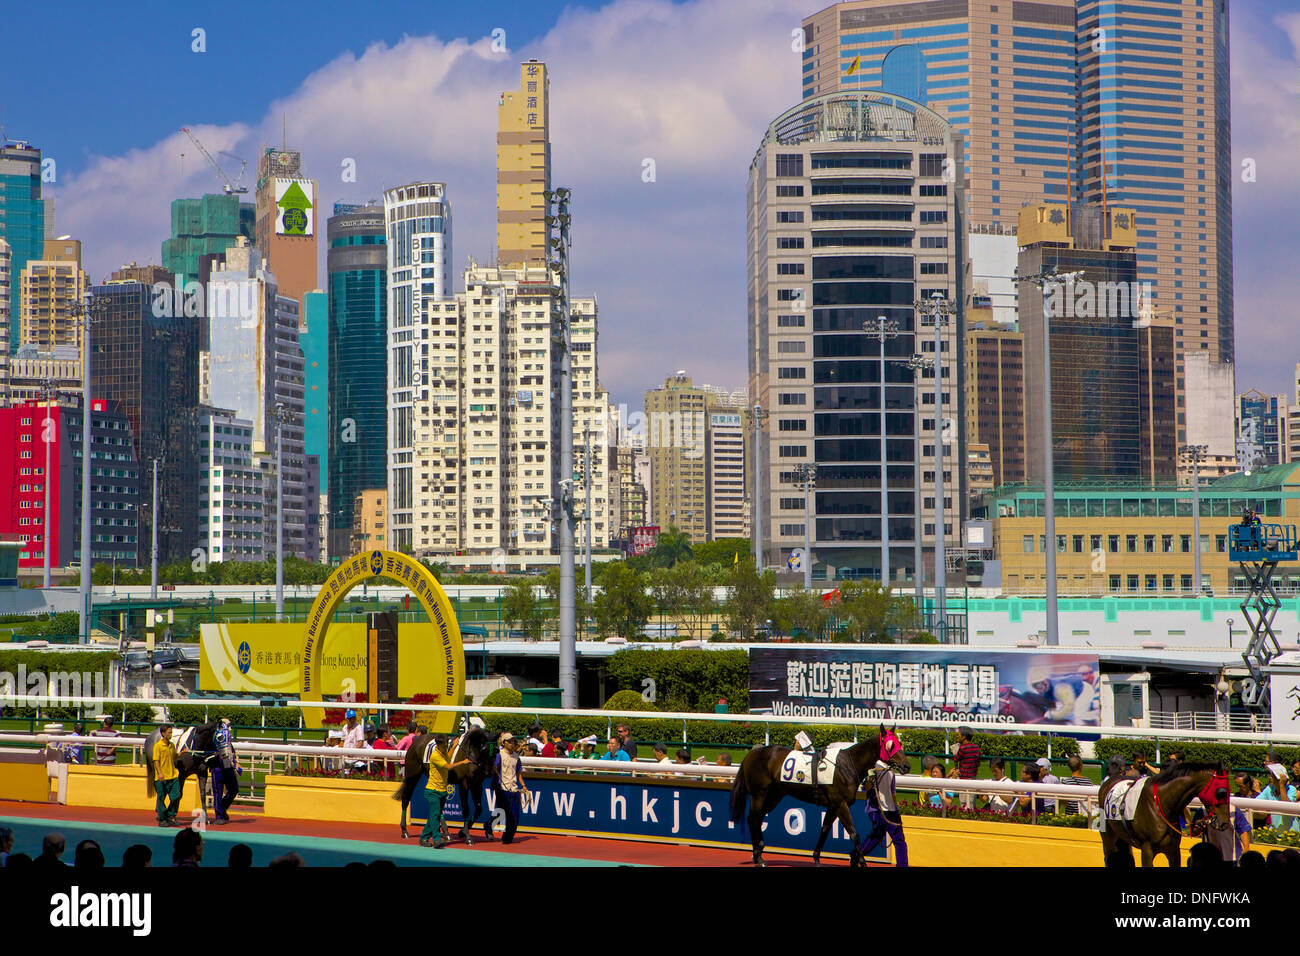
(1011, 746)
(504, 697)
(685, 680)
(627, 700)
(1197, 751)
(80, 662)
(279, 717)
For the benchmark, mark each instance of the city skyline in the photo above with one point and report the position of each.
(699, 136)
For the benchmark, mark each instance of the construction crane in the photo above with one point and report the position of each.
(229, 187)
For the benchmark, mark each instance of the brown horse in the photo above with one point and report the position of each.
(472, 745)
(759, 781)
(1154, 828)
(194, 749)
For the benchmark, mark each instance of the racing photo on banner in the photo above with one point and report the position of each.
(918, 683)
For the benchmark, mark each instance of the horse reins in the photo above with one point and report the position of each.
(1155, 798)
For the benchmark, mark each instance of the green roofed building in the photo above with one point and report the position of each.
(1135, 538)
(205, 226)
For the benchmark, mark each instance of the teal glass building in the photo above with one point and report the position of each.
(357, 442)
(22, 218)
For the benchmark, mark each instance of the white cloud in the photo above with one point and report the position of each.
(691, 86)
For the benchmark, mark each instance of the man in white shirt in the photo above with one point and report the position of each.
(1045, 775)
(354, 735)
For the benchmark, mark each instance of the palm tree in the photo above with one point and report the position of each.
(671, 548)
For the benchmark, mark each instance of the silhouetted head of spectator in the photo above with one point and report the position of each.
(53, 845)
(187, 847)
(288, 861)
(241, 856)
(88, 856)
(18, 861)
(1251, 860)
(1275, 860)
(137, 856)
(1205, 856)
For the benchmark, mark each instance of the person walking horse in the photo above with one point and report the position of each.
(508, 784)
(436, 789)
(166, 778)
(882, 802)
(225, 771)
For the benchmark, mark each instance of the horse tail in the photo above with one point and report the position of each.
(739, 793)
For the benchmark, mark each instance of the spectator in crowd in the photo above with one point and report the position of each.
(585, 748)
(187, 848)
(1251, 860)
(1001, 802)
(354, 735)
(724, 760)
(940, 799)
(1045, 775)
(290, 861)
(88, 856)
(1205, 856)
(614, 751)
(1175, 757)
(1077, 779)
(18, 861)
(1279, 788)
(683, 755)
(436, 789)
(531, 749)
(166, 778)
(413, 730)
(138, 856)
(6, 844)
(968, 762)
(1247, 786)
(384, 741)
(549, 750)
(1025, 801)
(1295, 769)
(508, 784)
(1140, 767)
(536, 735)
(333, 738)
(241, 857)
(625, 741)
(105, 755)
(661, 753)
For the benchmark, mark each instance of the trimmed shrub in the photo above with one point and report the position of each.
(627, 700)
(685, 680)
(1013, 746)
(504, 697)
(1236, 756)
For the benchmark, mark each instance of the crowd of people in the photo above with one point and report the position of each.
(187, 851)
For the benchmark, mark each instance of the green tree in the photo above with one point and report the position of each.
(623, 606)
(724, 551)
(874, 613)
(582, 608)
(750, 600)
(520, 607)
(801, 614)
(672, 548)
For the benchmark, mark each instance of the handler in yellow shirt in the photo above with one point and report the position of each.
(166, 778)
(436, 789)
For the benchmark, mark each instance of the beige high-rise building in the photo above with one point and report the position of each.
(369, 529)
(286, 221)
(995, 399)
(524, 169)
(6, 264)
(50, 296)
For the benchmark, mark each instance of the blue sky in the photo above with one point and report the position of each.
(408, 91)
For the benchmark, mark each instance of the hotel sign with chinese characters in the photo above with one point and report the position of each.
(883, 683)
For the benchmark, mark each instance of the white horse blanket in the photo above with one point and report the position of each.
(1122, 801)
(798, 766)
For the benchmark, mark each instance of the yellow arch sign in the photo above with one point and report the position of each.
(450, 675)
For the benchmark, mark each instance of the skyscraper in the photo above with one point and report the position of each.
(357, 449)
(995, 399)
(146, 362)
(524, 169)
(22, 217)
(855, 214)
(1111, 385)
(1048, 93)
(286, 221)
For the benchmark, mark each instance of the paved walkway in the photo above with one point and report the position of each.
(334, 844)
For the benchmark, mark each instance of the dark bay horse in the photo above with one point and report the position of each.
(1154, 827)
(472, 745)
(759, 781)
(194, 748)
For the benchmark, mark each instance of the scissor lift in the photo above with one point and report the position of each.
(1259, 549)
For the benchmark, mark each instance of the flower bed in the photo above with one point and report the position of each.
(985, 815)
(334, 773)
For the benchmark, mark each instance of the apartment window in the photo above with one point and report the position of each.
(1185, 543)
(1096, 542)
(791, 530)
(788, 191)
(789, 242)
(791, 504)
(1220, 543)
(789, 164)
(1029, 544)
(789, 321)
(786, 373)
(1078, 544)
(1187, 582)
(1115, 582)
(1151, 582)
(789, 268)
(1167, 543)
(934, 242)
(792, 425)
(790, 398)
(932, 165)
(931, 216)
(790, 348)
(1168, 582)
(1132, 582)
(1149, 543)
(1131, 543)
(792, 451)
(934, 268)
(1060, 544)
(791, 215)
(1113, 544)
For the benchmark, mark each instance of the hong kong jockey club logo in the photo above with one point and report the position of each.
(245, 657)
(376, 562)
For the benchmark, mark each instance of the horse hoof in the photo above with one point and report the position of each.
(761, 863)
